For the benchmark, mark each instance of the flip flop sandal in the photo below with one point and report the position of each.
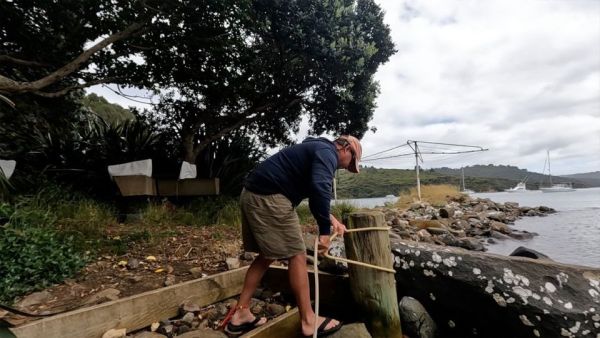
(322, 332)
(242, 328)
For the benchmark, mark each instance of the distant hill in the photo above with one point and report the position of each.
(591, 178)
(534, 180)
(377, 182)
(110, 112)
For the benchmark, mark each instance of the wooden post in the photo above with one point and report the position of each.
(373, 290)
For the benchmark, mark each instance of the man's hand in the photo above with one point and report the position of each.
(324, 242)
(338, 227)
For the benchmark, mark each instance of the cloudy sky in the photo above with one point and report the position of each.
(516, 77)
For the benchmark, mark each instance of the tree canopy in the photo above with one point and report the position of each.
(249, 68)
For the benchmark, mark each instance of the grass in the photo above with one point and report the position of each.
(436, 195)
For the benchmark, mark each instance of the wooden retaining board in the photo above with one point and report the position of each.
(134, 312)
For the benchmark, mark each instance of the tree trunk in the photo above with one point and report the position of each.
(373, 290)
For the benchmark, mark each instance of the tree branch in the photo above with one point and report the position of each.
(10, 86)
(239, 123)
(70, 88)
(10, 59)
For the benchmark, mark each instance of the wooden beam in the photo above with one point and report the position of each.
(137, 311)
(286, 325)
(373, 290)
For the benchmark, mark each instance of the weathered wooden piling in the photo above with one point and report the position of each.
(373, 290)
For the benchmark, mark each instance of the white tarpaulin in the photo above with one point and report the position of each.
(8, 167)
(143, 167)
(188, 170)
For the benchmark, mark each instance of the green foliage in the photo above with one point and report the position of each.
(219, 210)
(304, 214)
(33, 258)
(110, 112)
(341, 210)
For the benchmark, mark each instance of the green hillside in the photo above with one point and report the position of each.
(591, 178)
(377, 182)
(110, 112)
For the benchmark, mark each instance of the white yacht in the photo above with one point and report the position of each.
(520, 187)
(555, 187)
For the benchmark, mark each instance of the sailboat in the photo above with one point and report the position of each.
(520, 187)
(462, 183)
(555, 187)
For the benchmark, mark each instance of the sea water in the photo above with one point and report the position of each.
(572, 235)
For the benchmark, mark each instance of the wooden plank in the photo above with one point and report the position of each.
(373, 290)
(136, 185)
(137, 311)
(286, 325)
(188, 187)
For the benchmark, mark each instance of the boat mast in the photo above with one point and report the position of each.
(549, 173)
(463, 178)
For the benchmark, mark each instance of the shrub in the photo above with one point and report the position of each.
(34, 258)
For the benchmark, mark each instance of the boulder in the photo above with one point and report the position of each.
(501, 227)
(476, 294)
(354, 330)
(416, 322)
(529, 253)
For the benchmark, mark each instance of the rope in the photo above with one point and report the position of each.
(349, 261)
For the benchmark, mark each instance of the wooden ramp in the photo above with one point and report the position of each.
(139, 311)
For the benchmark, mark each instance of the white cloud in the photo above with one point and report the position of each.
(517, 77)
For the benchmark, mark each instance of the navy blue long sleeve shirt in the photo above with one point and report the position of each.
(304, 170)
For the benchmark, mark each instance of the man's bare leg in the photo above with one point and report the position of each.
(299, 282)
(253, 276)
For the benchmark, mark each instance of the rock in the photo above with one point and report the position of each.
(531, 213)
(423, 234)
(446, 212)
(496, 215)
(197, 272)
(522, 235)
(546, 209)
(275, 309)
(35, 298)
(204, 333)
(115, 333)
(183, 329)
(248, 256)
(169, 280)
(529, 253)
(222, 309)
(424, 224)
(501, 227)
(499, 235)
(186, 307)
(354, 330)
(134, 279)
(521, 295)
(147, 334)
(232, 263)
(188, 318)
(437, 231)
(103, 296)
(470, 243)
(154, 326)
(167, 330)
(416, 322)
(133, 263)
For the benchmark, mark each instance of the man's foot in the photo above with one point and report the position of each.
(242, 321)
(325, 326)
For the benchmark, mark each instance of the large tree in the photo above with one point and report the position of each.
(252, 67)
(259, 65)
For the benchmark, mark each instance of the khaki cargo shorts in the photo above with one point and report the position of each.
(270, 226)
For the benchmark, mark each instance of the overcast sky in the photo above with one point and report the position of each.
(516, 77)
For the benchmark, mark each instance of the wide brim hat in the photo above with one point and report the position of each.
(356, 149)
